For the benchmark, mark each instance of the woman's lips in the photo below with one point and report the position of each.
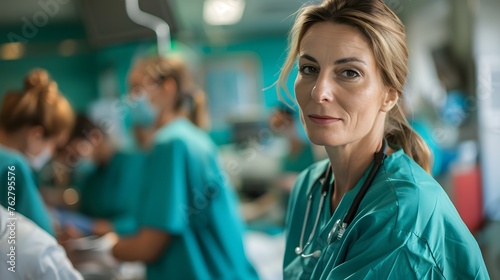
(319, 119)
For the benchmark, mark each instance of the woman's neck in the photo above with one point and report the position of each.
(349, 162)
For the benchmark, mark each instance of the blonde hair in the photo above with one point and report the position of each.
(40, 103)
(386, 35)
(190, 97)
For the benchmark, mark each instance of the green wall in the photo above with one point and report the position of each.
(78, 75)
(75, 76)
(272, 53)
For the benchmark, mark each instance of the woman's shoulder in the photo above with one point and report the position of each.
(407, 180)
(10, 156)
(424, 210)
(129, 156)
(13, 159)
(183, 133)
(418, 203)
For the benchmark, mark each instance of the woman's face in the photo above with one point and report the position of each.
(39, 149)
(339, 88)
(157, 92)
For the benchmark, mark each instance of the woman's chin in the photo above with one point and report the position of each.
(324, 140)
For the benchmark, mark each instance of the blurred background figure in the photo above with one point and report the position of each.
(144, 137)
(143, 124)
(109, 191)
(72, 161)
(285, 123)
(91, 182)
(33, 122)
(268, 210)
(188, 220)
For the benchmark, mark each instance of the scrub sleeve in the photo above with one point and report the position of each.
(25, 199)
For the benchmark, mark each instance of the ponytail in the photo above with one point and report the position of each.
(199, 111)
(193, 105)
(399, 132)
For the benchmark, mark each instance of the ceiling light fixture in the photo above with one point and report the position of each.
(223, 12)
(12, 51)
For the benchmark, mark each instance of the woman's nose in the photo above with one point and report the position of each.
(323, 89)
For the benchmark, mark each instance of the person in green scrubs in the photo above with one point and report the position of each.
(189, 224)
(371, 210)
(104, 177)
(284, 122)
(32, 123)
(107, 193)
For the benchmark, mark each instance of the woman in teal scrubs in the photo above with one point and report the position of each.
(189, 226)
(32, 123)
(372, 210)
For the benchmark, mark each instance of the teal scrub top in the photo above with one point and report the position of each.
(24, 198)
(405, 228)
(111, 191)
(186, 194)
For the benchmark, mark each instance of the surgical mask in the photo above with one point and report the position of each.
(143, 113)
(39, 161)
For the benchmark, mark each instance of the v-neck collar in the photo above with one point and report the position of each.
(346, 201)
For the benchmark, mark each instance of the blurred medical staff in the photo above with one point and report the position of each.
(32, 123)
(109, 191)
(104, 177)
(283, 122)
(189, 222)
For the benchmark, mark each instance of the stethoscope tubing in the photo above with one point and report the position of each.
(340, 226)
(324, 182)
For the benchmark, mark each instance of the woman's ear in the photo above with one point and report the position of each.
(390, 99)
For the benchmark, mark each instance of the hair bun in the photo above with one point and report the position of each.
(37, 78)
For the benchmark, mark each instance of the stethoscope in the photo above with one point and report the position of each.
(339, 227)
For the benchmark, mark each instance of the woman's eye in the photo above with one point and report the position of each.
(350, 74)
(308, 70)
